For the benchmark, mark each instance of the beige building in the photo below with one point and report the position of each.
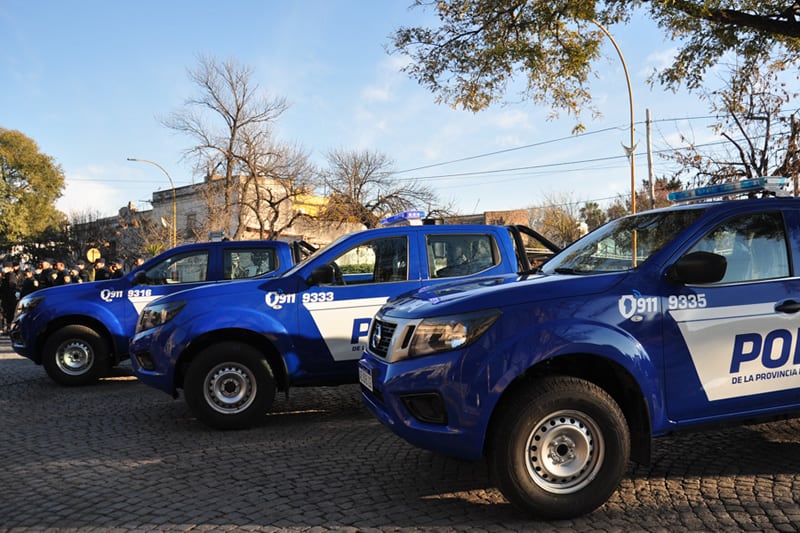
(266, 204)
(197, 210)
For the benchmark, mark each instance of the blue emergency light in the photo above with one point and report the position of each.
(773, 185)
(412, 217)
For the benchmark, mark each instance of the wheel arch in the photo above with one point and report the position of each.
(609, 375)
(261, 343)
(76, 320)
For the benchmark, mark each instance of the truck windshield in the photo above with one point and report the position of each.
(622, 244)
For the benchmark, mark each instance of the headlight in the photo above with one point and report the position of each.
(27, 303)
(441, 334)
(158, 314)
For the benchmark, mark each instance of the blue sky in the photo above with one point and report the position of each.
(89, 81)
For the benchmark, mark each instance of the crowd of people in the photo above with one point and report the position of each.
(20, 279)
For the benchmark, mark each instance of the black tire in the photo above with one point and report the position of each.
(560, 448)
(229, 385)
(76, 355)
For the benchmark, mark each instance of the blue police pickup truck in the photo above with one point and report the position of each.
(231, 348)
(673, 319)
(78, 332)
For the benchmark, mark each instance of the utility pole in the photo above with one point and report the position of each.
(650, 170)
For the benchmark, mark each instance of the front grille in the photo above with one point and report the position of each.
(380, 336)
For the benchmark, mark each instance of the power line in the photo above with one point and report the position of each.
(550, 141)
(467, 175)
(481, 173)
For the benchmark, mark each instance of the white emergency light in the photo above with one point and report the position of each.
(754, 185)
(413, 218)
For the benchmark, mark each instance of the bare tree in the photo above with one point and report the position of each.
(88, 229)
(363, 189)
(131, 234)
(275, 176)
(558, 218)
(621, 206)
(761, 138)
(229, 110)
(139, 235)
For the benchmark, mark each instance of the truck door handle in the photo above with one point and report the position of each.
(788, 306)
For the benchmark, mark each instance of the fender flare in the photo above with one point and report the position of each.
(543, 349)
(242, 324)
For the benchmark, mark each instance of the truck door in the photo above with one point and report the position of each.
(174, 273)
(346, 293)
(348, 290)
(731, 346)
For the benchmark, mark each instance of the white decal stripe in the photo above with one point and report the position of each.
(140, 301)
(709, 335)
(344, 304)
(717, 313)
(335, 321)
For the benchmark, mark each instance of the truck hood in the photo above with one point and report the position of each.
(74, 290)
(503, 291)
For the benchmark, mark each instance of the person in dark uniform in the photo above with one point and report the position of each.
(100, 271)
(9, 293)
(61, 273)
(117, 269)
(83, 274)
(29, 282)
(47, 276)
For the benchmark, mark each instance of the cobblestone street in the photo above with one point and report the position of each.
(122, 456)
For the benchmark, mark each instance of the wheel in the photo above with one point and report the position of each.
(229, 385)
(76, 355)
(560, 448)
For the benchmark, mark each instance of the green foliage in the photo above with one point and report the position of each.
(593, 215)
(357, 269)
(30, 183)
(480, 46)
(754, 31)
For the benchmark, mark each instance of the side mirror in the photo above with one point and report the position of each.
(698, 268)
(140, 278)
(322, 275)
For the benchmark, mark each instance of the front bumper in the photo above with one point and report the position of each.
(151, 363)
(423, 401)
(23, 340)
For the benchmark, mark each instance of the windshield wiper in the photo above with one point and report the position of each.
(566, 270)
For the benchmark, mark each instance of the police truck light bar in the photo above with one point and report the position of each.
(773, 185)
(412, 217)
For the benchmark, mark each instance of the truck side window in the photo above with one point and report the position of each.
(376, 261)
(460, 255)
(754, 246)
(191, 267)
(240, 264)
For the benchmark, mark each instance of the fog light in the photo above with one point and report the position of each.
(427, 407)
(145, 360)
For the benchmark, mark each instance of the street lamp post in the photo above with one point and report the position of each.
(174, 198)
(630, 151)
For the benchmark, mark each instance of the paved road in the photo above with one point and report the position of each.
(121, 456)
